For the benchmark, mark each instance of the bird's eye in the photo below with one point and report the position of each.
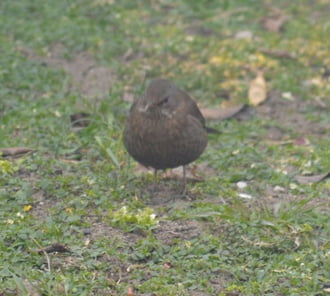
(163, 101)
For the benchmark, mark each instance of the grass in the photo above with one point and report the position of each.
(79, 187)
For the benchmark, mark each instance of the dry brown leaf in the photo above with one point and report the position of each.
(15, 151)
(258, 90)
(130, 291)
(277, 142)
(275, 21)
(298, 142)
(167, 265)
(278, 53)
(301, 141)
(312, 179)
(56, 247)
(221, 113)
(69, 161)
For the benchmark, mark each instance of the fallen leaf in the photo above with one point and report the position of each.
(244, 35)
(15, 151)
(278, 53)
(258, 90)
(288, 96)
(222, 113)
(56, 247)
(27, 208)
(130, 291)
(275, 142)
(301, 141)
(87, 242)
(312, 179)
(275, 21)
(293, 186)
(69, 161)
(167, 265)
(279, 189)
(245, 195)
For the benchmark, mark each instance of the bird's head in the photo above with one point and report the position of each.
(159, 99)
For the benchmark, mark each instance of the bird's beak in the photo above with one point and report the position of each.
(147, 107)
(144, 108)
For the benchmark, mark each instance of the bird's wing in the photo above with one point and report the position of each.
(191, 107)
(193, 110)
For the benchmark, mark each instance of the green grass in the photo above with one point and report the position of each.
(79, 188)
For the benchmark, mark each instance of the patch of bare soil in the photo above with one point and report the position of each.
(89, 79)
(167, 193)
(291, 114)
(170, 231)
(42, 205)
(104, 230)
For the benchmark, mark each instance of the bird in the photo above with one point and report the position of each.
(165, 128)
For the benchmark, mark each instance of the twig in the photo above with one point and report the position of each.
(45, 253)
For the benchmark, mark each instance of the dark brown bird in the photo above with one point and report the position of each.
(165, 128)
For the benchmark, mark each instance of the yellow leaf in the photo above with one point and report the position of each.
(27, 208)
(69, 210)
(216, 60)
(258, 90)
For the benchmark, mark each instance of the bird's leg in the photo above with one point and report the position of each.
(155, 176)
(154, 185)
(184, 189)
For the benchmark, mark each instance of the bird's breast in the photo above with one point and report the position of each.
(164, 142)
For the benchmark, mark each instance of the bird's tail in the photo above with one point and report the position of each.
(211, 130)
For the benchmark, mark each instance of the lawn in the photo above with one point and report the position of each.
(79, 217)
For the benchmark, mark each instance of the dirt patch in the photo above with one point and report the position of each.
(42, 206)
(170, 231)
(89, 79)
(104, 230)
(199, 30)
(291, 114)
